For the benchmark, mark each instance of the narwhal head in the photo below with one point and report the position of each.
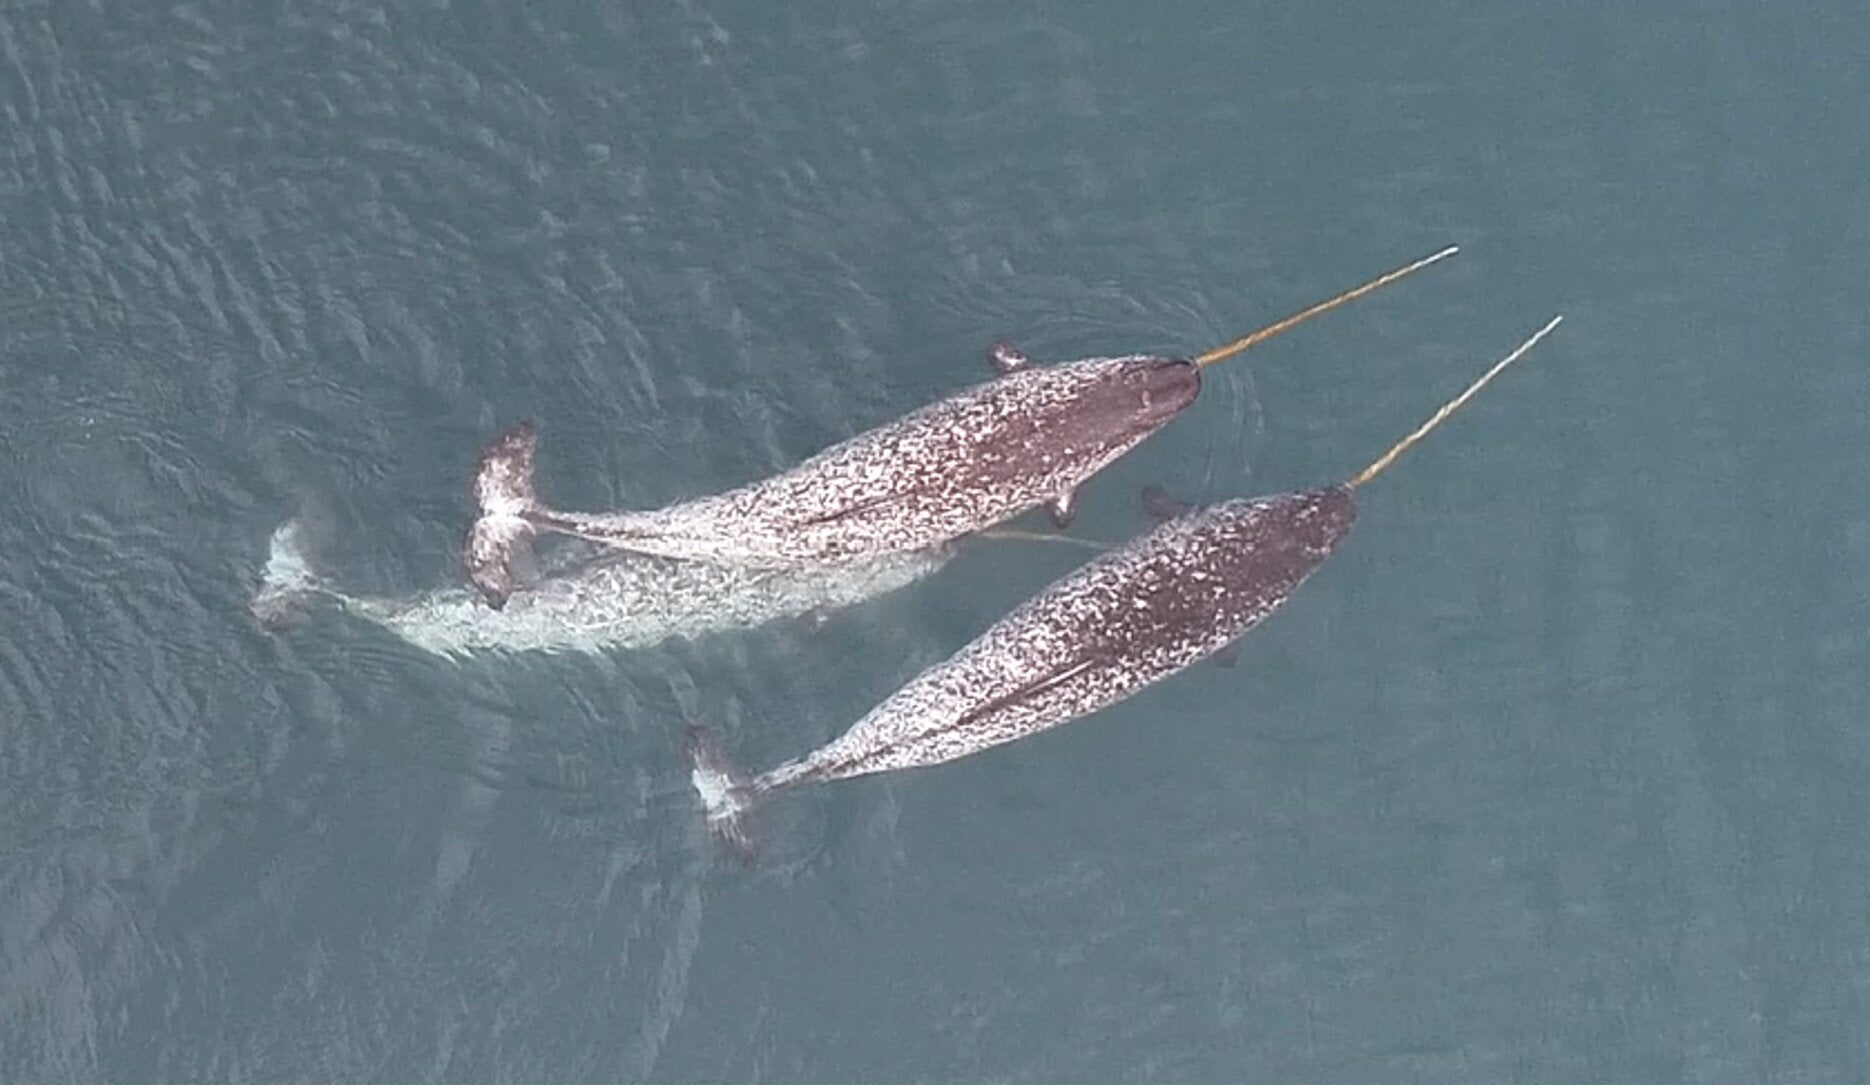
(1110, 403)
(1314, 522)
(1150, 390)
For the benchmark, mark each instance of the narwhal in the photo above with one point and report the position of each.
(590, 599)
(1030, 436)
(1124, 621)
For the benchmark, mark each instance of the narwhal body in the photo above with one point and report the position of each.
(956, 466)
(593, 602)
(1029, 437)
(1122, 622)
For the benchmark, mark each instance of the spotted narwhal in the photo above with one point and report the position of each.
(1031, 436)
(1121, 622)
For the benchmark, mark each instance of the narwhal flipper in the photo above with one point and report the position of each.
(1005, 358)
(503, 497)
(1063, 509)
(1161, 506)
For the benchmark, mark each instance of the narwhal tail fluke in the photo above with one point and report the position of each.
(288, 581)
(504, 498)
(726, 792)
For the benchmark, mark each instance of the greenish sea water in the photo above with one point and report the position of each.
(1555, 773)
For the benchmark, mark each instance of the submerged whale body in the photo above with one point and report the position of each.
(958, 465)
(593, 604)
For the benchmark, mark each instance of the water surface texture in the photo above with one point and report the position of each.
(1558, 772)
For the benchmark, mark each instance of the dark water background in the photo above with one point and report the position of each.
(1559, 772)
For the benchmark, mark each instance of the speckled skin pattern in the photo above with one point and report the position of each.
(953, 467)
(614, 600)
(503, 494)
(1121, 622)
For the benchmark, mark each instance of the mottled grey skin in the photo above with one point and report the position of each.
(1125, 620)
(956, 466)
(503, 495)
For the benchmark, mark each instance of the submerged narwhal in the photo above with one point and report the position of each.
(1121, 622)
(1031, 436)
(593, 599)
